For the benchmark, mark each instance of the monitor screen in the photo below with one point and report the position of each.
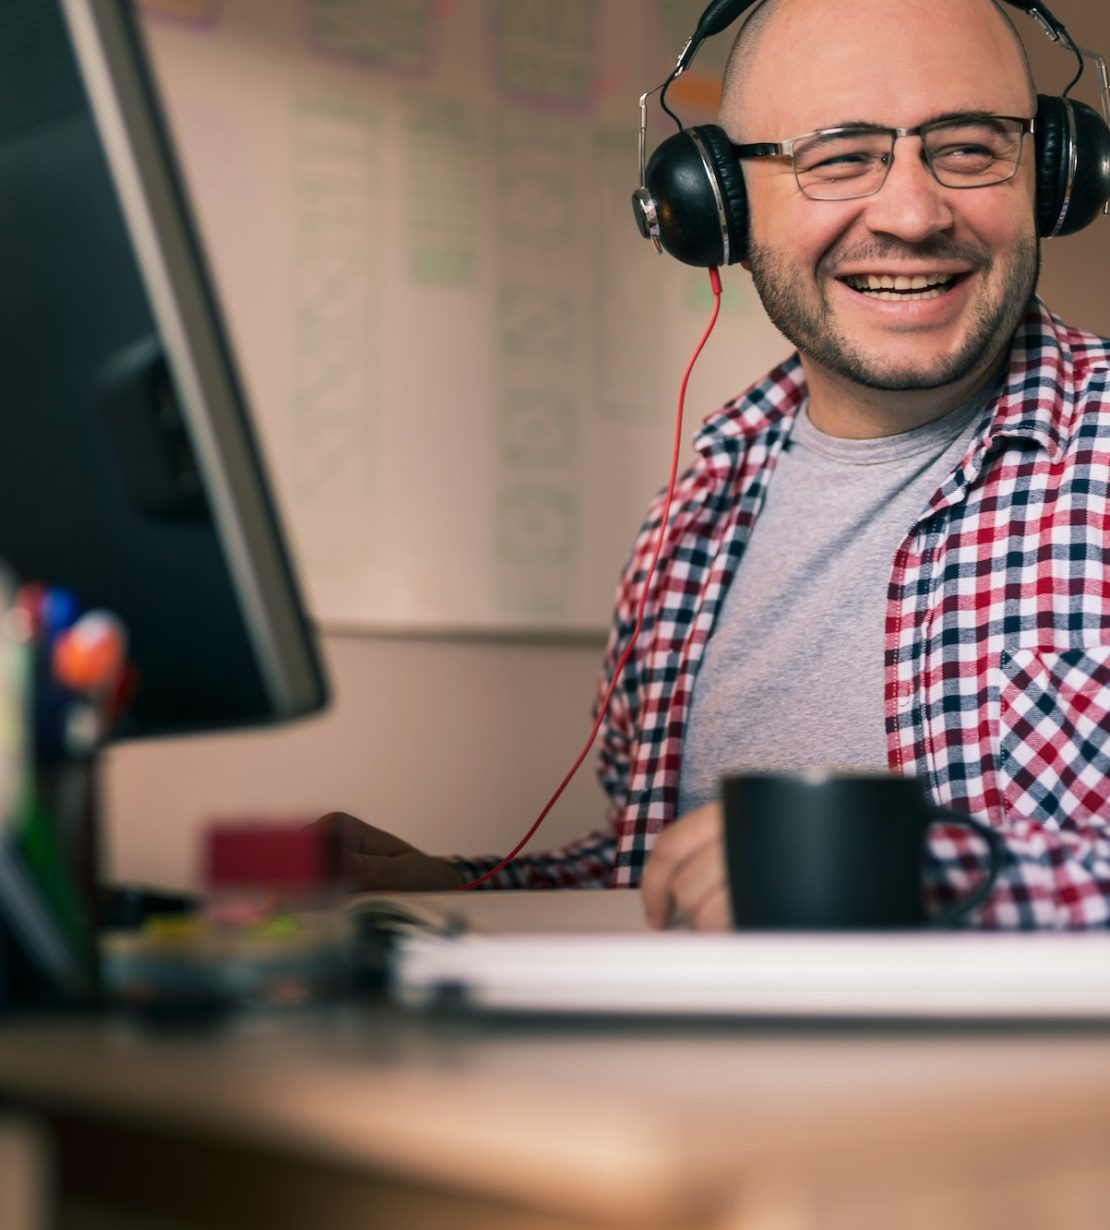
(129, 470)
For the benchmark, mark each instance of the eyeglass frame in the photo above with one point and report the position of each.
(785, 149)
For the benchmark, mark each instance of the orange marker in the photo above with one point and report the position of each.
(89, 656)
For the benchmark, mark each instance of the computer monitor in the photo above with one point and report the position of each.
(129, 470)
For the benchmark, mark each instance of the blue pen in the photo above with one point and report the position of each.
(59, 609)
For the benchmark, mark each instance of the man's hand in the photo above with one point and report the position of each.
(686, 872)
(372, 860)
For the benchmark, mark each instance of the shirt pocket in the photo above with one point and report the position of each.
(1054, 752)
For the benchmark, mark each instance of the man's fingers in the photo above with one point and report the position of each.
(700, 887)
(372, 860)
(408, 871)
(371, 873)
(687, 835)
(357, 836)
(698, 831)
(714, 912)
(656, 896)
(655, 887)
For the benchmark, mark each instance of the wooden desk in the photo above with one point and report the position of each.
(381, 1120)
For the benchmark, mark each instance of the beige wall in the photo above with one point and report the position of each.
(455, 745)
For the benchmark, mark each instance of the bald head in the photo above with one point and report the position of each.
(745, 47)
(760, 21)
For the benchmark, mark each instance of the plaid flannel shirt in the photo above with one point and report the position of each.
(997, 653)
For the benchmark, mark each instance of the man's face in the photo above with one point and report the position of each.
(895, 63)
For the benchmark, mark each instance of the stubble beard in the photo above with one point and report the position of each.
(995, 317)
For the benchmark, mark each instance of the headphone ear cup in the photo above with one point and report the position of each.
(730, 182)
(696, 203)
(1073, 165)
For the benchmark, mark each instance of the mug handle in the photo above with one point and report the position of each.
(996, 846)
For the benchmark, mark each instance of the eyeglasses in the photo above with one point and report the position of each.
(841, 164)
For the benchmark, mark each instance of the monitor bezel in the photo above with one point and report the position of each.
(125, 106)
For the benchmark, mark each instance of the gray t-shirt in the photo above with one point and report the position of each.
(793, 672)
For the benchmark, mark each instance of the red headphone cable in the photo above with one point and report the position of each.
(715, 287)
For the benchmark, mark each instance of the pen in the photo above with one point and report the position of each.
(58, 609)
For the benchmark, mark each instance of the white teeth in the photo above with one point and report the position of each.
(893, 296)
(905, 286)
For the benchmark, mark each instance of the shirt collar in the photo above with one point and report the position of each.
(1036, 401)
(773, 401)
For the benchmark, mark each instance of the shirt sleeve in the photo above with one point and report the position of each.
(586, 862)
(1051, 877)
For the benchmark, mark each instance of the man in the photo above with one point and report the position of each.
(890, 552)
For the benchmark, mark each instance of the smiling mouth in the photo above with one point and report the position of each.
(892, 287)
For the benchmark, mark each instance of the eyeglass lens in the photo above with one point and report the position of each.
(838, 164)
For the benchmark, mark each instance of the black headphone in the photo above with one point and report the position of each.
(693, 204)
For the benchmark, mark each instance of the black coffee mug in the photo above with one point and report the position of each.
(837, 852)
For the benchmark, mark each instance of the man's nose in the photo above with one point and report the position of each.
(911, 204)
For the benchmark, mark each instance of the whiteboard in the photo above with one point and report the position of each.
(462, 358)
